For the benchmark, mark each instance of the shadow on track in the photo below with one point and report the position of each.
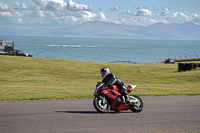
(78, 112)
(88, 112)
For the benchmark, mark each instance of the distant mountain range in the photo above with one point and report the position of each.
(185, 31)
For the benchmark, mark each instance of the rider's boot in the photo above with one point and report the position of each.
(125, 94)
(127, 100)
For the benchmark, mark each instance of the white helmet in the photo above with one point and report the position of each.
(104, 72)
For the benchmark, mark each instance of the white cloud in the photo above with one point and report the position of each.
(145, 17)
(67, 19)
(179, 15)
(87, 15)
(194, 15)
(72, 6)
(17, 5)
(141, 7)
(11, 7)
(92, 16)
(40, 14)
(6, 14)
(48, 12)
(50, 4)
(115, 8)
(102, 16)
(3, 6)
(144, 12)
(17, 14)
(137, 21)
(141, 12)
(165, 11)
(61, 12)
(196, 20)
(128, 12)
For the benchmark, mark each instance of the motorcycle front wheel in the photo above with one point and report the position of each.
(137, 105)
(100, 106)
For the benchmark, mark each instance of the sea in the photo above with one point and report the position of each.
(104, 49)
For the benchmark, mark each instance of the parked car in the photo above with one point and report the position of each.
(19, 53)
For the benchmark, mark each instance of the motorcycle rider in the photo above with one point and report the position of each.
(111, 79)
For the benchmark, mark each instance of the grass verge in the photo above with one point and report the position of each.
(185, 60)
(23, 78)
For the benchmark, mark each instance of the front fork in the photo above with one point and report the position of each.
(103, 99)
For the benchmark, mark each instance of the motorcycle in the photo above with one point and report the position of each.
(107, 99)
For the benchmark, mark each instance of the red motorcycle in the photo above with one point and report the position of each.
(110, 99)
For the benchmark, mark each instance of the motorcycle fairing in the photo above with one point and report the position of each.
(130, 88)
(114, 87)
(116, 105)
(113, 95)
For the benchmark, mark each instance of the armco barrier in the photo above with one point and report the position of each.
(187, 66)
(196, 65)
(181, 67)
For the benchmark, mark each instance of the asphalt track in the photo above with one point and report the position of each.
(160, 114)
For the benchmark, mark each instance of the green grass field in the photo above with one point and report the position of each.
(26, 78)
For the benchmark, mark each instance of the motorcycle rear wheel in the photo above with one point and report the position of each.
(138, 106)
(99, 106)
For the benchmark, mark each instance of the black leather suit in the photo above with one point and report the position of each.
(112, 79)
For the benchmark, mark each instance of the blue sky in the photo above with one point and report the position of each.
(29, 14)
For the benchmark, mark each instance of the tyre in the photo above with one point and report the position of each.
(99, 106)
(136, 103)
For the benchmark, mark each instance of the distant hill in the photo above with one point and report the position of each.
(185, 31)
(100, 29)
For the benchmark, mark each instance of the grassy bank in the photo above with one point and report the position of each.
(23, 78)
(196, 60)
(187, 59)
